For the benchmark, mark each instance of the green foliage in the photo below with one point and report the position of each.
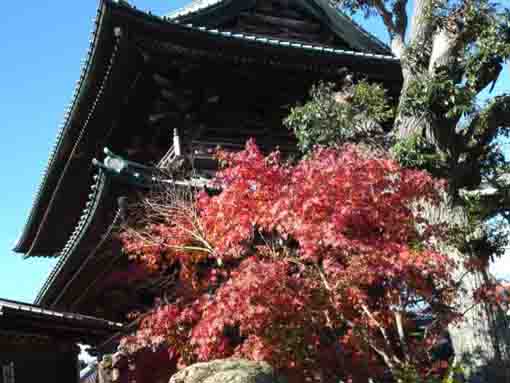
(438, 95)
(482, 37)
(474, 208)
(330, 118)
(416, 152)
(491, 47)
(319, 121)
(355, 6)
(409, 374)
(371, 99)
(493, 111)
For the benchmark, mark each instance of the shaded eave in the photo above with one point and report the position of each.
(72, 261)
(31, 319)
(114, 15)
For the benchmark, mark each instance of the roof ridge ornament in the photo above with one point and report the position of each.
(144, 176)
(117, 31)
(128, 171)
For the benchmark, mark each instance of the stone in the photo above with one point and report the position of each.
(227, 371)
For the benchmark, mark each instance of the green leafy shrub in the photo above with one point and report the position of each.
(416, 152)
(330, 118)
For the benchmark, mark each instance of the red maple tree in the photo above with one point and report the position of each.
(324, 268)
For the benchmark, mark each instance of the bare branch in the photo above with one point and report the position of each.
(401, 334)
(386, 16)
(389, 361)
(395, 22)
(382, 354)
(379, 326)
(401, 17)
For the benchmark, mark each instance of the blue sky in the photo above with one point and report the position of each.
(42, 45)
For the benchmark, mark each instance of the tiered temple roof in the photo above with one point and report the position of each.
(219, 71)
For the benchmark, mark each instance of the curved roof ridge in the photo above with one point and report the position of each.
(362, 30)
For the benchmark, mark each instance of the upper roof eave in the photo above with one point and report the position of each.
(24, 240)
(340, 23)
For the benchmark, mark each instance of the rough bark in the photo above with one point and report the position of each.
(481, 341)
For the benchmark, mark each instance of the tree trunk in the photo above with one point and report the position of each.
(481, 340)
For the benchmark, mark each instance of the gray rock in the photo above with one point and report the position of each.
(227, 371)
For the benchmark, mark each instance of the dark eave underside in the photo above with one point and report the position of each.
(96, 223)
(95, 81)
(31, 319)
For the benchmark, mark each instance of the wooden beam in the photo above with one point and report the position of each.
(271, 10)
(301, 26)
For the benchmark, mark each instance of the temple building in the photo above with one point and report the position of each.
(157, 90)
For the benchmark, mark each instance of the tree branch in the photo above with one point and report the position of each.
(400, 16)
(487, 73)
(421, 26)
(395, 22)
(385, 14)
(401, 334)
(487, 124)
(390, 361)
(376, 322)
(493, 200)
